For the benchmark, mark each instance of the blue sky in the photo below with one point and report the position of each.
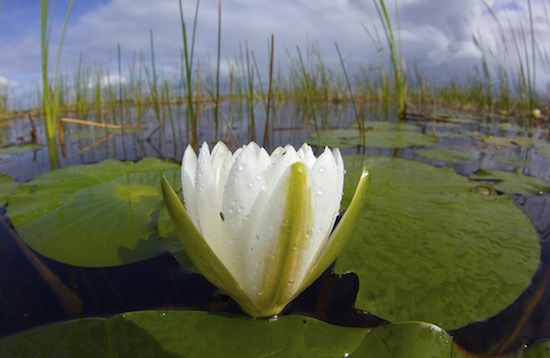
(436, 34)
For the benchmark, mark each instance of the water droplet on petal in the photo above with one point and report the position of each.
(258, 177)
(322, 170)
(319, 192)
(241, 167)
(309, 233)
(250, 185)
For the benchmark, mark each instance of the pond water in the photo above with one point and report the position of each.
(501, 157)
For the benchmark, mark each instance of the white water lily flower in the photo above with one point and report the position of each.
(258, 226)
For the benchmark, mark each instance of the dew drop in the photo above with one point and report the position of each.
(250, 185)
(273, 318)
(322, 170)
(319, 192)
(263, 188)
(241, 167)
(258, 177)
(309, 233)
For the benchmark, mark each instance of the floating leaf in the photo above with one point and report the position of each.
(432, 249)
(374, 138)
(18, 149)
(7, 186)
(543, 148)
(446, 155)
(511, 161)
(180, 333)
(509, 141)
(93, 215)
(513, 182)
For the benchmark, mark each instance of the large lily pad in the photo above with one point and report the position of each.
(446, 155)
(191, 334)
(513, 182)
(432, 249)
(383, 138)
(93, 215)
(7, 186)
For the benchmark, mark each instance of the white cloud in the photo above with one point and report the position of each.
(437, 34)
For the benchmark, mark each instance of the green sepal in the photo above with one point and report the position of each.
(342, 231)
(288, 253)
(200, 253)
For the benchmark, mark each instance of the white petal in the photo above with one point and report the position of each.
(265, 237)
(245, 185)
(306, 155)
(222, 160)
(284, 159)
(188, 172)
(208, 206)
(325, 178)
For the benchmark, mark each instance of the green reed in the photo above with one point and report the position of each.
(50, 95)
(188, 56)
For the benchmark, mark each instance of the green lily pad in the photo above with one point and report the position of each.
(192, 334)
(513, 182)
(543, 148)
(387, 126)
(7, 186)
(511, 161)
(373, 138)
(406, 339)
(99, 133)
(509, 141)
(538, 350)
(93, 215)
(446, 155)
(20, 149)
(432, 249)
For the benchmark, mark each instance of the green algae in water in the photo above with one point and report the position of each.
(430, 248)
(446, 155)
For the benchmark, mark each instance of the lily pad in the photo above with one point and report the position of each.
(20, 149)
(387, 126)
(509, 141)
(7, 186)
(511, 161)
(93, 215)
(543, 148)
(513, 182)
(373, 138)
(446, 155)
(191, 334)
(432, 249)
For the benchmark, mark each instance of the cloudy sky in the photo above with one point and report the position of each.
(436, 34)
